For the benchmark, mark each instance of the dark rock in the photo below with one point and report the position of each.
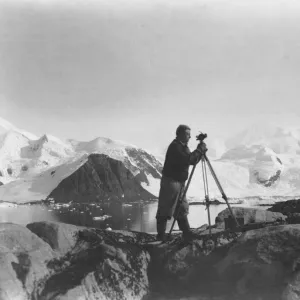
(270, 181)
(293, 218)
(102, 178)
(62, 261)
(262, 264)
(286, 207)
(24, 168)
(290, 208)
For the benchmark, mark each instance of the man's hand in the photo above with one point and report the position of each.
(202, 148)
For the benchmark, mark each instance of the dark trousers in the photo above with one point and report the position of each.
(161, 225)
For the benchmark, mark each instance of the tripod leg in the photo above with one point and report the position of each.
(220, 188)
(176, 209)
(204, 173)
(178, 199)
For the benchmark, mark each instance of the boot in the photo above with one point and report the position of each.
(161, 226)
(184, 226)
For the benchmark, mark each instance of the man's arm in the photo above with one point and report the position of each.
(184, 158)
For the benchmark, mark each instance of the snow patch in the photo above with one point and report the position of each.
(153, 186)
(40, 185)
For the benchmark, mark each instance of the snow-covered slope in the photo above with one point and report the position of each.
(6, 126)
(282, 140)
(37, 186)
(259, 162)
(251, 168)
(25, 163)
(21, 156)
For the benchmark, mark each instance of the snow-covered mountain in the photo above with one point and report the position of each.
(261, 161)
(6, 126)
(282, 140)
(31, 168)
(258, 162)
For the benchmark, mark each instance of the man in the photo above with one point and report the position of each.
(175, 173)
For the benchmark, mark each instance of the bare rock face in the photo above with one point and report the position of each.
(61, 261)
(49, 260)
(23, 257)
(260, 264)
(290, 208)
(263, 264)
(286, 207)
(181, 270)
(103, 178)
(250, 215)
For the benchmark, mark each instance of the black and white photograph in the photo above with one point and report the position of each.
(149, 149)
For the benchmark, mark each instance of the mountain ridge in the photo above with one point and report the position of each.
(247, 169)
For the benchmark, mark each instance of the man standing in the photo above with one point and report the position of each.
(175, 173)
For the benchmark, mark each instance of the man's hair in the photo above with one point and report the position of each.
(182, 128)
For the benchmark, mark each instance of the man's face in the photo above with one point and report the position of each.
(185, 136)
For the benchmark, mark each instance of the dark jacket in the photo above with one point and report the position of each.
(178, 159)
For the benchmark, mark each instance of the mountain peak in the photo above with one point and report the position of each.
(6, 126)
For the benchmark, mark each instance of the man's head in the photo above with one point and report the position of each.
(183, 133)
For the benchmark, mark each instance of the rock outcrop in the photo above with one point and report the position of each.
(260, 264)
(24, 258)
(48, 260)
(101, 177)
(263, 264)
(286, 207)
(61, 261)
(290, 208)
(250, 215)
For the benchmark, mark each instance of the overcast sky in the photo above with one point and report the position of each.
(134, 70)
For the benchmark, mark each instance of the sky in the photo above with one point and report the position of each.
(134, 70)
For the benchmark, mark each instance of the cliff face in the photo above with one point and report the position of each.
(145, 163)
(101, 178)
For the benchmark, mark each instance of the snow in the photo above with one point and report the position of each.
(38, 186)
(272, 135)
(153, 186)
(7, 204)
(114, 149)
(236, 183)
(239, 162)
(6, 126)
(26, 164)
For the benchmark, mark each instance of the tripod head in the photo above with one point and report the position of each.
(201, 137)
